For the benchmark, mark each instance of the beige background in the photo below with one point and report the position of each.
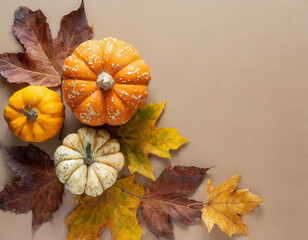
(234, 74)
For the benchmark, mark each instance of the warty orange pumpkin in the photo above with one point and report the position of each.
(105, 82)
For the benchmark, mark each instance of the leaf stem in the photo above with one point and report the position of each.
(123, 190)
(196, 203)
(2, 145)
(61, 130)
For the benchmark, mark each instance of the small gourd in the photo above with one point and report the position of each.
(105, 82)
(35, 113)
(89, 161)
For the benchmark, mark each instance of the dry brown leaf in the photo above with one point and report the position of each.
(38, 189)
(43, 58)
(166, 196)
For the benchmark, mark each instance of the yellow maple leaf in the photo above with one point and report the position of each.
(139, 137)
(114, 209)
(225, 204)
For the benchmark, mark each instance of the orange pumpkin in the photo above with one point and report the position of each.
(105, 82)
(35, 113)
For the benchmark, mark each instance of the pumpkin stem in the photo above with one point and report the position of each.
(105, 81)
(30, 113)
(87, 158)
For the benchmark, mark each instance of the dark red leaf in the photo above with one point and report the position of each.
(166, 197)
(74, 29)
(38, 189)
(44, 56)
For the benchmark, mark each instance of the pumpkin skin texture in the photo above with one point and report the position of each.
(34, 113)
(89, 161)
(105, 82)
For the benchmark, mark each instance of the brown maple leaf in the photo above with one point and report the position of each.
(38, 189)
(166, 197)
(43, 58)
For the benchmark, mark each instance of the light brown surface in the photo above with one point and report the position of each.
(234, 74)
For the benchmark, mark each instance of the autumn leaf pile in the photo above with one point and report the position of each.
(161, 201)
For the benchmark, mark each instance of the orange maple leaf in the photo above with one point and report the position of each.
(225, 204)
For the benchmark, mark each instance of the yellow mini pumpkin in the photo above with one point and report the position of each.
(105, 82)
(34, 113)
(88, 161)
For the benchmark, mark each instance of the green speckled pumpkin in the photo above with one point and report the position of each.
(89, 161)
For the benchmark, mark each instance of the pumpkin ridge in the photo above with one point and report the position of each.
(103, 104)
(14, 108)
(111, 53)
(128, 63)
(53, 115)
(18, 133)
(73, 170)
(109, 103)
(94, 89)
(144, 78)
(95, 143)
(31, 130)
(108, 113)
(40, 125)
(91, 107)
(132, 97)
(69, 159)
(126, 83)
(75, 149)
(85, 98)
(106, 163)
(112, 173)
(79, 157)
(110, 141)
(99, 179)
(79, 57)
(143, 90)
(45, 96)
(85, 186)
(115, 176)
(115, 92)
(39, 113)
(72, 79)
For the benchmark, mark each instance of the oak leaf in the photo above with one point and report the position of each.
(139, 137)
(44, 56)
(225, 204)
(115, 209)
(166, 197)
(38, 189)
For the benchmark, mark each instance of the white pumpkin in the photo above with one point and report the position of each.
(89, 161)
